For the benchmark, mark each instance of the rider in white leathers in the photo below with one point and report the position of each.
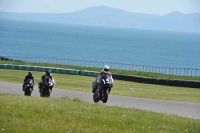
(105, 71)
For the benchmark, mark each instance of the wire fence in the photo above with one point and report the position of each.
(119, 66)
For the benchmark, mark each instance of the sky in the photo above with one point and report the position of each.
(159, 7)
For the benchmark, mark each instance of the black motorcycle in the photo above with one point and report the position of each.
(46, 87)
(103, 90)
(28, 87)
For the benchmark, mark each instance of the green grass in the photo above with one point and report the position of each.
(20, 114)
(135, 73)
(83, 83)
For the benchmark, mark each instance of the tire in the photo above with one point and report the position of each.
(46, 92)
(29, 92)
(26, 93)
(105, 96)
(95, 99)
(41, 95)
(49, 92)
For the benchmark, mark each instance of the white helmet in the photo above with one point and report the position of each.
(106, 68)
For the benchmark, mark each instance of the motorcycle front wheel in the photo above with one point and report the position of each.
(95, 98)
(105, 96)
(27, 92)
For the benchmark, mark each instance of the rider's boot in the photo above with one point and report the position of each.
(40, 87)
(94, 89)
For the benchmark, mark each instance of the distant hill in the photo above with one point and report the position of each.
(106, 16)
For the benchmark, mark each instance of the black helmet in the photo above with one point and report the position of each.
(48, 72)
(30, 73)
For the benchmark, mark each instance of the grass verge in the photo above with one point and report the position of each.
(62, 115)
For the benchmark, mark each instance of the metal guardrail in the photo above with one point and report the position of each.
(40, 69)
(119, 66)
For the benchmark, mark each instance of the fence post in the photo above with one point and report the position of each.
(196, 73)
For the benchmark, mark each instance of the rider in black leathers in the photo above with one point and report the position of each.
(29, 76)
(44, 76)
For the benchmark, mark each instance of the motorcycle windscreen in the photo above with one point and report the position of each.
(48, 82)
(30, 82)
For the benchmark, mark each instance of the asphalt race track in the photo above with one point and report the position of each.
(186, 109)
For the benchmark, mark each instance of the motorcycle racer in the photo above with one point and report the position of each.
(29, 76)
(105, 71)
(44, 76)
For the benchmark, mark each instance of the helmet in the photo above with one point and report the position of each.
(48, 72)
(106, 68)
(29, 73)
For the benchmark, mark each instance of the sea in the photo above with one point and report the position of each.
(102, 44)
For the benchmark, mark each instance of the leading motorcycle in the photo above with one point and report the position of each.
(28, 87)
(103, 89)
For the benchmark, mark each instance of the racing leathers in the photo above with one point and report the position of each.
(26, 78)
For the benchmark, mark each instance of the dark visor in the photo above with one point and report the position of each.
(106, 70)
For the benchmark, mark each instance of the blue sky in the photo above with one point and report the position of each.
(159, 7)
